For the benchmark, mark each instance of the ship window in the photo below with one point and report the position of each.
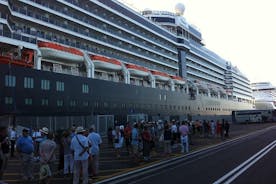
(60, 86)
(85, 103)
(10, 81)
(105, 104)
(8, 100)
(28, 101)
(28, 82)
(45, 84)
(73, 103)
(59, 103)
(44, 102)
(85, 88)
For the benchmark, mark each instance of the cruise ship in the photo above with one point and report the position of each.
(70, 62)
(264, 94)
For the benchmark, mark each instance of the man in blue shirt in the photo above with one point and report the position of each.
(80, 148)
(25, 148)
(95, 139)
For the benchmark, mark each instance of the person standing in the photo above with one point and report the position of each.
(96, 140)
(4, 149)
(47, 155)
(25, 148)
(184, 131)
(213, 128)
(67, 154)
(37, 138)
(13, 137)
(80, 148)
(222, 133)
(174, 134)
(135, 142)
(146, 143)
(118, 140)
(227, 127)
(167, 135)
(127, 135)
(110, 136)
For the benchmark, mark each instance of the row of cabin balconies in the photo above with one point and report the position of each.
(78, 44)
(91, 19)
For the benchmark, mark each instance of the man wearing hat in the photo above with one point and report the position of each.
(47, 150)
(80, 148)
(25, 148)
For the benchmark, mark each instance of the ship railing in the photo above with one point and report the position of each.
(25, 12)
(17, 36)
(125, 26)
(3, 15)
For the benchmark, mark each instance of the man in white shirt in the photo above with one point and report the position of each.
(80, 148)
(174, 134)
(37, 138)
(13, 137)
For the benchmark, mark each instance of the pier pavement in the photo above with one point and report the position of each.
(110, 165)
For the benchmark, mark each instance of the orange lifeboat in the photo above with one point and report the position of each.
(26, 60)
(106, 63)
(137, 70)
(161, 76)
(178, 80)
(59, 52)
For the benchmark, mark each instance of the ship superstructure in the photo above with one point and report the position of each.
(264, 94)
(100, 58)
(212, 74)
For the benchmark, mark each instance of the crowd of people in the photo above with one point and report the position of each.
(79, 148)
(143, 138)
(78, 151)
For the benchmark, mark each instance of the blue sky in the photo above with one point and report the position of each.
(240, 31)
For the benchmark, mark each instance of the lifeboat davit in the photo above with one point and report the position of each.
(106, 63)
(161, 76)
(59, 52)
(178, 80)
(26, 60)
(137, 70)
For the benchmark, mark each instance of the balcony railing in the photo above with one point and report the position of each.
(17, 36)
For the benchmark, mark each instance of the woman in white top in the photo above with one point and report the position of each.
(117, 140)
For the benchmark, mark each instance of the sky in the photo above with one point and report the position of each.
(240, 31)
